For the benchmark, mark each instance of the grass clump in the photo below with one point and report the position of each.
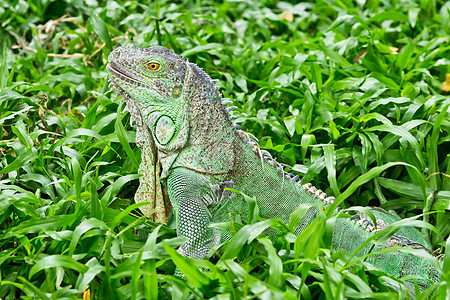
(353, 95)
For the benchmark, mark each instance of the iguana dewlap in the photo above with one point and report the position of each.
(191, 152)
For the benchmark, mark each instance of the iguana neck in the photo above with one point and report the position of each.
(211, 133)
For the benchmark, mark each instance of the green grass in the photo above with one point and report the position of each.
(351, 94)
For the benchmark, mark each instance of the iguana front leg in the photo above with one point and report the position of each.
(191, 195)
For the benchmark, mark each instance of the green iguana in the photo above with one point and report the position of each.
(192, 152)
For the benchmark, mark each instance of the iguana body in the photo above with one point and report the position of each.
(190, 146)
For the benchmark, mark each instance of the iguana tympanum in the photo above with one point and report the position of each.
(191, 152)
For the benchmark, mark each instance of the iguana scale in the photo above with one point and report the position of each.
(192, 151)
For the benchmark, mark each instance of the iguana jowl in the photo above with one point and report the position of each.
(191, 151)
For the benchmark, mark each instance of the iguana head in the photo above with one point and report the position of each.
(157, 79)
(179, 103)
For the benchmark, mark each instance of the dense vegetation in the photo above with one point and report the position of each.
(352, 94)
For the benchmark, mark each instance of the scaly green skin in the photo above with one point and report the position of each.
(190, 146)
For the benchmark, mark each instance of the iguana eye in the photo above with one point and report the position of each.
(153, 66)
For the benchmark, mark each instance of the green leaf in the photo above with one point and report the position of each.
(289, 122)
(404, 57)
(202, 48)
(29, 287)
(404, 134)
(23, 159)
(274, 262)
(189, 269)
(114, 189)
(84, 226)
(41, 224)
(446, 265)
(330, 163)
(432, 145)
(53, 261)
(94, 268)
(336, 57)
(385, 80)
(245, 235)
(3, 67)
(77, 176)
(101, 30)
(413, 14)
(372, 173)
(389, 15)
(121, 134)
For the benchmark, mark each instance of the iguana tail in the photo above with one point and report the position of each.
(350, 234)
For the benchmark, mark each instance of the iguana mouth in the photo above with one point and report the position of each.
(118, 74)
